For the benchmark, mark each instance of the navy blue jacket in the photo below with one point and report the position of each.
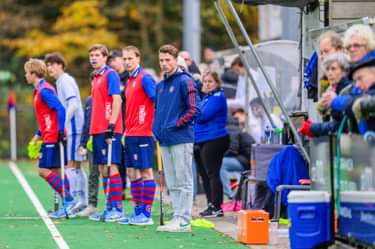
(210, 123)
(177, 104)
(86, 125)
(286, 168)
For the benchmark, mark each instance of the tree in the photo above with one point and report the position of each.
(80, 25)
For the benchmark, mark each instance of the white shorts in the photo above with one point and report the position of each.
(72, 147)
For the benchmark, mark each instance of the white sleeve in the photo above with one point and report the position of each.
(239, 100)
(68, 89)
(71, 106)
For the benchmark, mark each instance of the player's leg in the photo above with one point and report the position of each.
(131, 159)
(70, 168)
(81, 178)
(146, 154)
(49, 169)
(113, 208)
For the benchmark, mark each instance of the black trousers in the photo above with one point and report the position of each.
(209, 156)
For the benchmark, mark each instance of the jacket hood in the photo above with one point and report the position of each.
(178, 73)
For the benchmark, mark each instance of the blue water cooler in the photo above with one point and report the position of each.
(357, 216)
(310, 219)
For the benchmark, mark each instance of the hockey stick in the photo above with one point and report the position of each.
(108, 166)
(62, 175)
(55, 201)
(161, 181)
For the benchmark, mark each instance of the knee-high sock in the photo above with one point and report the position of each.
(81, 186)
(136, 188)
(105, 185)
(148, 194)
(54, 180)
(115, 191)
(72, 176)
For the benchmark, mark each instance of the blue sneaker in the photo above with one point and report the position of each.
(141, 220)
(63, 212)
(58, 214)
(123, 221)
(113, 215)
(96, 216)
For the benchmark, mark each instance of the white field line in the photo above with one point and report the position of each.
(39, 207)
(19, 218)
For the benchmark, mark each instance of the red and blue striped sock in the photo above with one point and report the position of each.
(148, 194)
(104, 184)
(136, 188)
(115, 191)
(55, 182)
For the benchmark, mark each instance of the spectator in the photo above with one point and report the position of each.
(229, 79)
(363, 75)
(359, 41)
(336, 67)
(329, 42)
(211, 142)
(239, 100)
(258, 120)
(209, 61)
(237, 157)
(192, 67)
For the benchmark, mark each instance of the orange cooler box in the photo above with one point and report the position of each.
(252, 227)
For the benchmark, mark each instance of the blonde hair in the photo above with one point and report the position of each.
(363, 32)
(333, 37)
(37, 67)
(133, 49)
(214, 75)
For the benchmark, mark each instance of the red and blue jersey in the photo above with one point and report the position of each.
(50, 114)
(105, 84)
(140, 96)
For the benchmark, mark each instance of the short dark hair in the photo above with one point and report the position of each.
(256, 101)
(238, 110)
(237, 62)
(169, 49)
(114, 53)
(55, 57)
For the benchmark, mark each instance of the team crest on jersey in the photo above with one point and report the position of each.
(171, 89)
(47, 121)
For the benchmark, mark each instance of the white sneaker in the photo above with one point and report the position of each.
(175, 226)
(89, 210)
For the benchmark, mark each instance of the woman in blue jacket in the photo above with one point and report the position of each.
(211, 142)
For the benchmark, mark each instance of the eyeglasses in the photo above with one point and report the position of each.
(354, 45)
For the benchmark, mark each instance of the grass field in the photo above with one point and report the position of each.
(22, 228)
